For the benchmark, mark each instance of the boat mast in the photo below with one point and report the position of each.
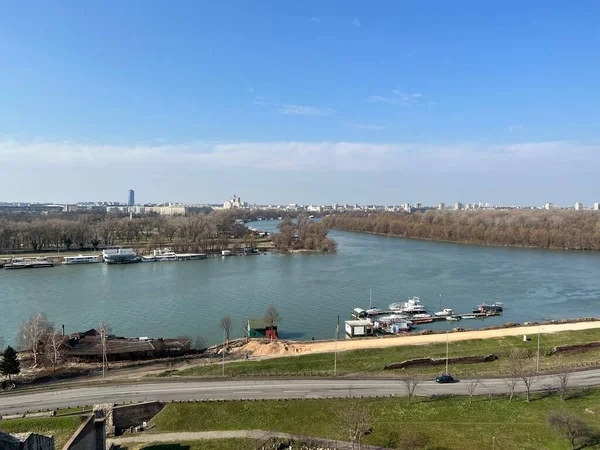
(370, 298)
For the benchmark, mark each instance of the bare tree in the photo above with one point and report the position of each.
(563, 383)
(55, 346)
(272, 318)
(471, 386)
(511, 383)
(410, 383)
(569, 426)
(226, 326)
(522, 368)
(32, 335)
(356, 420)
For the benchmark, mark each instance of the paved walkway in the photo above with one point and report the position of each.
(231, 434)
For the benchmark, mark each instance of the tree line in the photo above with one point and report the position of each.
(572, 230)
(196, 232)
(303, 234)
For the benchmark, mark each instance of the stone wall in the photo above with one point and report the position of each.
(91, 435)
(128, 416)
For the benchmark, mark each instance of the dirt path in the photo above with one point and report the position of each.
(230, 434)
(280, 348)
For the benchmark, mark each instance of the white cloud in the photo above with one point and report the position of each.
(397, 98)
(282, 155)
(315, 19)
(515, 128)
(249, 89)
(356, 23)
(298, 110)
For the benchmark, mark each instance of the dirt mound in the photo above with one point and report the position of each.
(267, 348)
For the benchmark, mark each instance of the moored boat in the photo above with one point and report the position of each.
(444, 313)
(29, 263)
(490, 308)
(226, 253)
(81, 259)
(119, 256)
(411, 306)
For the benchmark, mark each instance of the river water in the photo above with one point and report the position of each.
(173, 299)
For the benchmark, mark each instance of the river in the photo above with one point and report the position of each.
(173, 299)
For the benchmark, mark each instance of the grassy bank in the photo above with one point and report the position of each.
(443, 423)
(62, 428)
(373, 361)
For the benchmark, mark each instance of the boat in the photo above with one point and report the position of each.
(490, 308)
(421, 316)
(391, 318)
(29, 263)
(251, 251)
(168, 255)
(468, 316)
(444, 313)
(119, 256)
(190, 256)
(374, 311)
(81, 259)
(422, 320)
(411, 306)
(453, 318)
(226, 253)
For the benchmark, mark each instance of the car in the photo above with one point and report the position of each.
(445, 379)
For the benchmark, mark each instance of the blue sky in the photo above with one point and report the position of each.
(312, 101)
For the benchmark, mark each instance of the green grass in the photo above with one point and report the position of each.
(374, 360)
(444, 423)
(62, 428)
(209, 444)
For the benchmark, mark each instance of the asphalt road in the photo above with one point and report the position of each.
(259, 389)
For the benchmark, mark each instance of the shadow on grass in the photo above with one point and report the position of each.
(166, 447)
(579, 393)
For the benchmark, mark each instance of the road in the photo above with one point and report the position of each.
(258, 389)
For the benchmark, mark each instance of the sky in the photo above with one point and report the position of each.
(317, 102)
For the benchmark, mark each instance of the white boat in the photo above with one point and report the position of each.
(81, 259)
(190, 256)
(374, 311)
(411, 306)
(421, 316)
(468, 316)
(445, 312)
(453, 318)
(29, 263)
(226, 253)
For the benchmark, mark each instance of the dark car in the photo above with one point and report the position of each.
(445, 379)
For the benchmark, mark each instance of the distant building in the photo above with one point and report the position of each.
(596, 206)
(441, 206)
(548, 206)
(406, 207)
(131, 201)
(458, 206)
(417, 205)
(314, 208)
(578, 206)
(234, 202)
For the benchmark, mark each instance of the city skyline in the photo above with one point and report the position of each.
(301, 102)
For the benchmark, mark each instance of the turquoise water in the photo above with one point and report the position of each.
(310, 290)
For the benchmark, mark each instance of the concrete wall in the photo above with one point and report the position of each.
(91, 435)
(26, 441)
(128, 416)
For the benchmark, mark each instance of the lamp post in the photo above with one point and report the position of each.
(223, 364)
(537, 363)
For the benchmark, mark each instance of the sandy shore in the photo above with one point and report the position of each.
(281, 348)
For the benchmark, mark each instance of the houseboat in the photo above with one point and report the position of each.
(120, 256)
(29, 263)
(81, 259)
(411, 306)
(226, 253)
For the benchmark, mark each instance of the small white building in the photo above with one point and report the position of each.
(578, 206)
(458, 206)
(358, 328)
(417, 205)
(548, 206)
(441, 206)
(596, 206)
